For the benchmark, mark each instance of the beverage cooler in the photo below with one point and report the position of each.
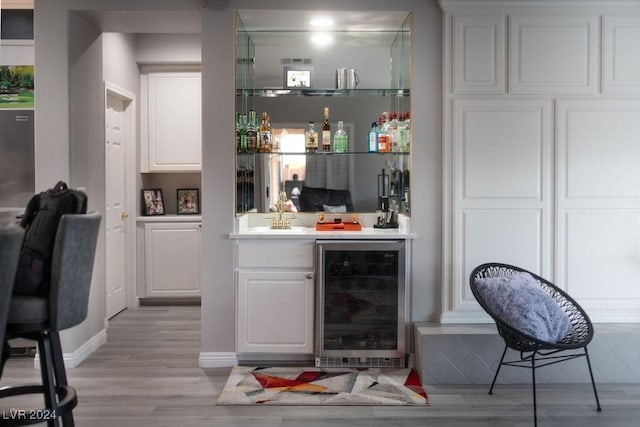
(360, 304)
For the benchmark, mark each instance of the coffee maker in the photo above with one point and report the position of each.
(387, 214)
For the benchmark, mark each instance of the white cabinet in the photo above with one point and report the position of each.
(171, 131)
(275, 297)
(172, 255)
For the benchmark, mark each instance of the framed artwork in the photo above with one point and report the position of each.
(152, 202)
(297, 77)
(188, 201)
(17, 86)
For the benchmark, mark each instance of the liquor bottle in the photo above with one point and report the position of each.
(238, 148)
(326, 131)
(383, 135)
(311, 139)
(252, 132)
(393, 131)
(340, 139)
(372, 138)
(243, 133)
(406, 143)
(266, 135)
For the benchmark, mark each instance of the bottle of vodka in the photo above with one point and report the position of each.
(340, 139)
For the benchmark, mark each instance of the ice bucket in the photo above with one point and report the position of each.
(347, 78)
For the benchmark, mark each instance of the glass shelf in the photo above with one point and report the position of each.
(273, 92)
(329, 153)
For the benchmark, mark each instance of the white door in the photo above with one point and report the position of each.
(115, 205)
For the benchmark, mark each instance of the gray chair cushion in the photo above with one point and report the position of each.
(28, 309)
(519, 301)
(10, 242)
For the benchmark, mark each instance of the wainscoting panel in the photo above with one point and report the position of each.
(479, 54)
(500, 148)
(553, 54)
(598, 206)
(621, 67)
(502, 193)
(598, 149)
(510, 236)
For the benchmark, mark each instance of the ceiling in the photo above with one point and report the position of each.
(298, 20)
(145, 21)
(293, 28)
(260, 22)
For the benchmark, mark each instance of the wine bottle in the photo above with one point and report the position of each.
(326, 131)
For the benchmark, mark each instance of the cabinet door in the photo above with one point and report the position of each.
(275, 311)
(174, 121)
(172, 259)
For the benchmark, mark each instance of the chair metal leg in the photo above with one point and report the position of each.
(495, 377)
(48, 384)
(533, 381)
(60, 372)
(593, 383)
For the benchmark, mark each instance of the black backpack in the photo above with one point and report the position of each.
(40, 221)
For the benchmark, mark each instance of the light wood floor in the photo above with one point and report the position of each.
(147, 374)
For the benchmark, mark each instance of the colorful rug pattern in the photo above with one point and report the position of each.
(322, 386)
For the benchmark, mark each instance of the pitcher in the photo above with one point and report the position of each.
(347, 78)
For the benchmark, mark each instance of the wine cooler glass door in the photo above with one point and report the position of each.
(361, 311)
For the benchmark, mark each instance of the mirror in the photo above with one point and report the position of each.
(268, 42)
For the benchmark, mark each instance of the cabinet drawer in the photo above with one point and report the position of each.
(275, 254)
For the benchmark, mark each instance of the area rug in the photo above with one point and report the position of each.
(322, 386)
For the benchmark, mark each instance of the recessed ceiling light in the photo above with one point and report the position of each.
(321, 39)
(321, 22)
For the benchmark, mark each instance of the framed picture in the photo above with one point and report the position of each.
(297, 77)
(188, 201)
(152, 202)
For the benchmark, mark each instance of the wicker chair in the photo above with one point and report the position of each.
(535, 353)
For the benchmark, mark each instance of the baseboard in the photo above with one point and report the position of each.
(217, 359)
(171, 301)
(73, 359)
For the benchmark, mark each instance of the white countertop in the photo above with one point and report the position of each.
(249, 227)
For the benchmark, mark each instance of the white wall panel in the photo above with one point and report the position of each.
(479, 54)
(598, 206)
(602, 253)
(621, 62)
(502, 170)
(553, 54)
(501, 147)
(599, 149)
(508, 236)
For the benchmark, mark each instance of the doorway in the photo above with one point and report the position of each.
(120, 131)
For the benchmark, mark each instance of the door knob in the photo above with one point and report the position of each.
(124, 216)
(309, 276)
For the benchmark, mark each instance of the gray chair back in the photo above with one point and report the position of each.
(72, 269)
(10, 243)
